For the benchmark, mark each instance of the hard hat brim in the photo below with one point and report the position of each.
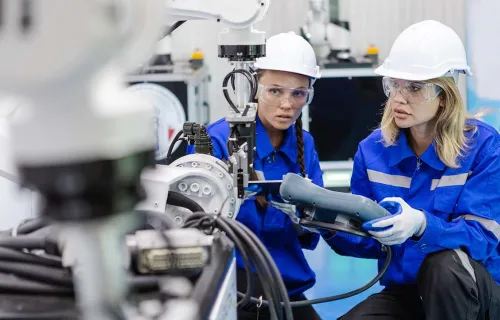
(316, 74)
(382, 71)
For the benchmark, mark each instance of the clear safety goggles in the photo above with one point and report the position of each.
(414, 92)
(276, 95)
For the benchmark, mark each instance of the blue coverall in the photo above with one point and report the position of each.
(462, 206)
(273, 227)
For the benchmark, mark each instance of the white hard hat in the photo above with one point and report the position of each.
(425, 50)
(289, 52)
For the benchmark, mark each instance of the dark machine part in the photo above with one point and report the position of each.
(242, 133)
(162, 60)
(197, 134)
(242, 52)
(330, 210)
(30, 290)
(89, 190)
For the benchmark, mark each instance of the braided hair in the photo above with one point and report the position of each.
(300, 145)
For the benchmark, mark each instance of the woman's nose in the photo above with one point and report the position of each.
(398, 97)
(286, 103)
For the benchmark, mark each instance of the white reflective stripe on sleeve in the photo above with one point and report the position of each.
(464, 258)
(488, 224)
(260, 175)
(448, 181)
(434, 184)
(389, 179)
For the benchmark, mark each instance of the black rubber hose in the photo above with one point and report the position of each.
(173, 27)
(144, 283)
(261, 265)
(343, 295)
(275, 273)
(11, 255)
(54, 315)
(222, 225)
(265, 276)
(180, 200)
(22, 242)
(171, 147)
(12, 284)
(39, 273)
(32, 225)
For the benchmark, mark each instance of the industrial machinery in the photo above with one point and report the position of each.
(331, 39)
(102, 235)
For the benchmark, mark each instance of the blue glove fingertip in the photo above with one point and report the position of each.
(368, 225)
(254, 188)
(392, 206)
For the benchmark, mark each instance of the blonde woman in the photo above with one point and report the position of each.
(443, 169)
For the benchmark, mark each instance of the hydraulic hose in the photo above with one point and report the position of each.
(180, 200)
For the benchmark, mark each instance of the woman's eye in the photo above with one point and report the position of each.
(275, 91)
(299, 93)
(414, 88)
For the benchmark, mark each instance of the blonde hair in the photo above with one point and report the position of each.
(449, 124)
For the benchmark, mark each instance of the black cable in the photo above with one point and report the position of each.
(251, 80)
(196, 218)
(244, 256)
(22, 242)
(18, 256)
(339, 296)
(251, 77)
(12, 284)
(173, 27)
(180, 200)
(275, 272)
(304, 302)
(171, 147)
(265, 276)
(226, 93)
(49, 315)
(261, 265)
(32, 225)
(40, 273)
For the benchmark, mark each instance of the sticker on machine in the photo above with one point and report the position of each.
(170, 115)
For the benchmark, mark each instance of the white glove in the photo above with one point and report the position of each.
(251, 191)
(409, 223)
(291, 211)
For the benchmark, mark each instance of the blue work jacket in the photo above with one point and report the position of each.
(462, 206)
(273, 227)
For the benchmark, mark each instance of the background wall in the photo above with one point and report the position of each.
(378, 22)
(482, 89)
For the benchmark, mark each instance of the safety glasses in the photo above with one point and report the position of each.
(414, 92)
(276, 95)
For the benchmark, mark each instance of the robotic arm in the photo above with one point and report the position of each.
(241, 45)
(216, 186)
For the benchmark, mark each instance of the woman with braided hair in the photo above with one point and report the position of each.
(286, 77)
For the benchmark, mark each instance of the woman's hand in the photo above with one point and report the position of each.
(398, 227)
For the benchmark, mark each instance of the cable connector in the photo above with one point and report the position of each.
(197, 134)
(174, 251)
